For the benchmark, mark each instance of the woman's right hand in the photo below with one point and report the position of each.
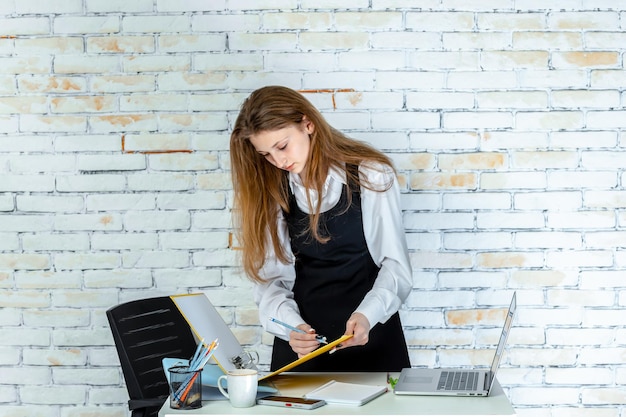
(303, 343)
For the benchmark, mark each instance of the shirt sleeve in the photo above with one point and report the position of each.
(386, 241)
(275, 297)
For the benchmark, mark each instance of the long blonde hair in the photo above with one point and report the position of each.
(261, 189)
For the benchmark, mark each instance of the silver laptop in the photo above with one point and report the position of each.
(449, 381)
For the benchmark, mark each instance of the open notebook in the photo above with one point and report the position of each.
(206, 323)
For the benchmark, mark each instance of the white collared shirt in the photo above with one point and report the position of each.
(385, 238)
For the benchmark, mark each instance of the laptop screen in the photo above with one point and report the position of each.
(505, 334)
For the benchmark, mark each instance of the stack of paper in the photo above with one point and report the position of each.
(335, 392)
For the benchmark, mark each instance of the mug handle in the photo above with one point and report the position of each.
(219, 385)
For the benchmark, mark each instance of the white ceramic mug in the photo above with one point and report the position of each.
(242, 387)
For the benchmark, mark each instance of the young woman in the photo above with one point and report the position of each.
(319, 221)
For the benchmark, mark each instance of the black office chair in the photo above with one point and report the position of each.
(146, 331)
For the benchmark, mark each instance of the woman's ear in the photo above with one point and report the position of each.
(309, 127)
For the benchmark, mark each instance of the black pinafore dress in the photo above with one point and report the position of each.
(331, 281)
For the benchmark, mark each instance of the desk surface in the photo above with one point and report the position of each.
(389, 404)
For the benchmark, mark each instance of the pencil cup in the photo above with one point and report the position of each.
(242, 387)
(185, 388)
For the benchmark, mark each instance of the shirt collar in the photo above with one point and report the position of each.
(334, 175)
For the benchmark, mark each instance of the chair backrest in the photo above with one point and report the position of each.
(146, 331)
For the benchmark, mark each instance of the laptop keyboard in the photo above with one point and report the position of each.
(458, 381)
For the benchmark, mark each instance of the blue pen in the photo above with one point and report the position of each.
(319, 338)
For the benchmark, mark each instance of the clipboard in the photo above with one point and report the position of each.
(205, 322)
(307, 357)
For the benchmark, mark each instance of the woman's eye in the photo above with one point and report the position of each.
(282, 148)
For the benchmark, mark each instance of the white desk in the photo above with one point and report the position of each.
(389, 404)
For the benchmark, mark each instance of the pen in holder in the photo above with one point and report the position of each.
(185, 388)
(245, 360)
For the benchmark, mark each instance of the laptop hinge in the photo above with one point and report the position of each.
(488, 378)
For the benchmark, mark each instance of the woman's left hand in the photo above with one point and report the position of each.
(358, 326)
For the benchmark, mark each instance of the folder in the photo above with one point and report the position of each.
(205, 322)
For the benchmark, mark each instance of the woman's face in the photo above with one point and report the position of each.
(286, 148)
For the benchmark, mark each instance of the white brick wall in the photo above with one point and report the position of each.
(504, 119)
